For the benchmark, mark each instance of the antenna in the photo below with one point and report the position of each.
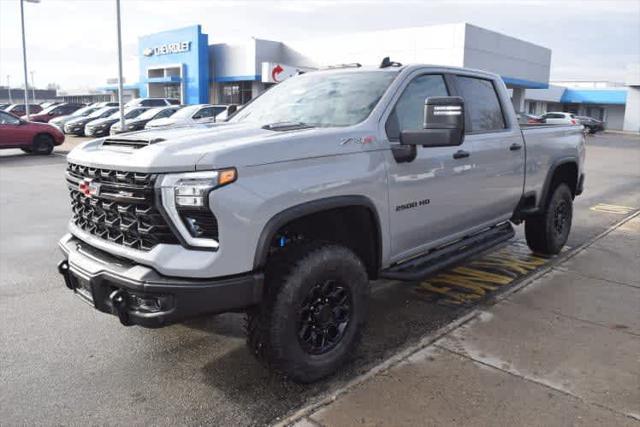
(386, 62)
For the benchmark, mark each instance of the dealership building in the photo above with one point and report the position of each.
(185, 63)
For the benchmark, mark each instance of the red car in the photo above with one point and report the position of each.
(19, 110)
(30, 137)
(52, 112)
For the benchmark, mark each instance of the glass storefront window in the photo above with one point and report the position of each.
(236, 92)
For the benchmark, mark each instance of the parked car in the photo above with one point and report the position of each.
(528, 119)
(19, 110)
(138, 123)
(560, 118)
(60, 121)
(189, 115)
(30, 137)
(152, 102)
(76, 126)
(104, 104)
(591, 125)
(54, 111)
(101, 127)
(3, 106)
(325, 181)
(48, 104)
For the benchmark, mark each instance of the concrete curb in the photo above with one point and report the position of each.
(429, 339)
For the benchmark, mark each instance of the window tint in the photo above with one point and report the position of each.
(8, 119)
(205, 112)
(153, 102)
(218, 110)
(481, 104)
(164, 113)
(408, 114)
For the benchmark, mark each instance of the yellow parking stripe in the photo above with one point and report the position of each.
(613, 209)
(476, 279)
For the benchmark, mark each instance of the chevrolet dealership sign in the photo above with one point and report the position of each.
(167, 49)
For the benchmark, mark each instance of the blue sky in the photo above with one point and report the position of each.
(73, 42)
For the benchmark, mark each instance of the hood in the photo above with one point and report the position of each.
(80, 120)
(165, 121)
(60, 119)
(205, 147)
(105, 121)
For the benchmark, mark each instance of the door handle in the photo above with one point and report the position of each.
(461, 154)
(515, 146)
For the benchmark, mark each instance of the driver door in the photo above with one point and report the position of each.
(430, 197)
(10, 132)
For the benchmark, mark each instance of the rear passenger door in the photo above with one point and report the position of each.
(498, 149)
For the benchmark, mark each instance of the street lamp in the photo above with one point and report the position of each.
(24, 57)
(9, 87)
(33, 87)
(120, 85)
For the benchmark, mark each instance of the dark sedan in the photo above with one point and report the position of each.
(590, 124)
(139, 122)
(101, 127)
(76, 126)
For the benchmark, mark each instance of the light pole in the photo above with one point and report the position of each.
(9, 87)
(120, 85)
(33, 87)
(24, 57)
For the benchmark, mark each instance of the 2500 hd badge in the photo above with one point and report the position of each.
(413, 204)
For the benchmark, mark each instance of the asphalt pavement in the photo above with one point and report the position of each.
(62, 362)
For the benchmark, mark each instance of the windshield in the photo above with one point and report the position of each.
(319, 99)
(83, 111)
(128, 114)
(149, 114)
(186, 111)
(99, 112)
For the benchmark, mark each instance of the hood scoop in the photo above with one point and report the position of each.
(130, 143)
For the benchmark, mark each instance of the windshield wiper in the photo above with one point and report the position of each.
(283, 126)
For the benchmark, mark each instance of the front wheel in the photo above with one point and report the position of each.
(313, 313)
(43, 144)
(548, 231)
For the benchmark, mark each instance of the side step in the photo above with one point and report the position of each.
(437, 259)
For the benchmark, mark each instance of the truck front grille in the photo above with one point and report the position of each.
(120, 209)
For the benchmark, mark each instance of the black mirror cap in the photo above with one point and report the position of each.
(444, 112)
(432, 137)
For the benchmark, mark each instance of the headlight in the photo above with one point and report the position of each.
(185, 199)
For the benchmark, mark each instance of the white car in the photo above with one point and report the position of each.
(559, 118)
(190, 115)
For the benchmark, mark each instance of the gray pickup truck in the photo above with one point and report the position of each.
(325, 182)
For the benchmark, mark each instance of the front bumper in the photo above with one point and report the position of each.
(138, 295)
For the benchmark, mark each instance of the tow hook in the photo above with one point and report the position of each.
(63, 268)
(118, 300)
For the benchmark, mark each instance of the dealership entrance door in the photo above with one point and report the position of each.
(165, 90)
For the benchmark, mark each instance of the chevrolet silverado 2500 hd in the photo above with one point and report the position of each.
(326, 181)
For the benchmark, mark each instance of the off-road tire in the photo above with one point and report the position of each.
(274, 326)
(547, 232)
(43, 144)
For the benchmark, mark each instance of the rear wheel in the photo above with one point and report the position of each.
(548, 232)
(43, 144)
(313, 312)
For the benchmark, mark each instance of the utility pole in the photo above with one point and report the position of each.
(120, 85)
(9, 87)
(33, 87)
(24, 57)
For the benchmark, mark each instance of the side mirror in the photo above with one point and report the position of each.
(443, 124)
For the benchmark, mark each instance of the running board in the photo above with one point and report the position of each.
(437, 259)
